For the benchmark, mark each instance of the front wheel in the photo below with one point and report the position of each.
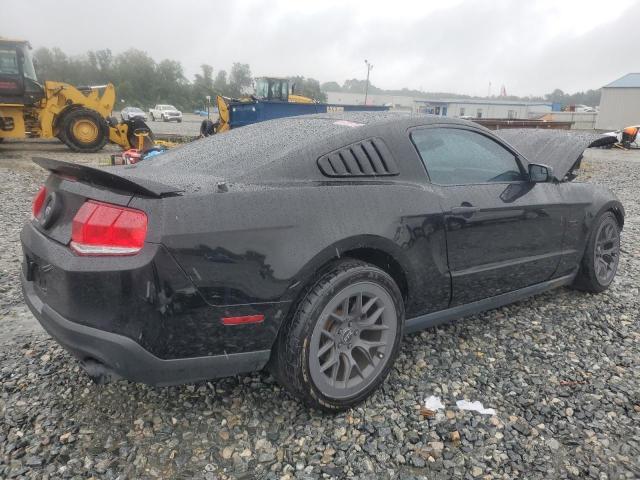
(344, 337)
(600, 261)
(84, 130)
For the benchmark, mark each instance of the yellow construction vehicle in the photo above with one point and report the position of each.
(273, 98)
(79, 116)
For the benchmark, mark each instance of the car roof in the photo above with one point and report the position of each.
(287, 148)
(246, 152)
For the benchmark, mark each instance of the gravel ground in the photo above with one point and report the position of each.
(561, 371)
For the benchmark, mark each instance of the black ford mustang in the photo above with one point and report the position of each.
(309, 245)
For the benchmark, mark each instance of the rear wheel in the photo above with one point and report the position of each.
(208, 128)
(600, 262)
(138, 124)
(343, 338)
(84, 130)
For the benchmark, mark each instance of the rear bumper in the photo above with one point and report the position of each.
(126, 358)
(146, 298)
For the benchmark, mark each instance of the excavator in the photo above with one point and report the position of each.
(78, 116)
(273, 98)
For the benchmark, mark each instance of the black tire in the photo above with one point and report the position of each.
(137, 123)
(163, 118)
(179, 120)
(207, 128)
(291, 362)
(62, 137)
(589, 278)
(153, 119)
(77, 144)
(112, 121)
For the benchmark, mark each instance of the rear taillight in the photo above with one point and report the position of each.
(38, 201)
(105, 229)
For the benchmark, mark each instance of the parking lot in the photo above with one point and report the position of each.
(190, 126)
(561, 370)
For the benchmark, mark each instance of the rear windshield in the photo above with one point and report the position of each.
(239, 151)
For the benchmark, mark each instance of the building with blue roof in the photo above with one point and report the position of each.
(620, 103)
(482, 108)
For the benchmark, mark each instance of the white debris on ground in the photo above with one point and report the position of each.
(475, 406)
(433, 403)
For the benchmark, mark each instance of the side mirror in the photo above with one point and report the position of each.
(540, 173)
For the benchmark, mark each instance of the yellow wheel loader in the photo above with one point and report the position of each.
(270, 92)
(272, 99)
(78, 116)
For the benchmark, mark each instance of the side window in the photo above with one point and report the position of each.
(457, 157)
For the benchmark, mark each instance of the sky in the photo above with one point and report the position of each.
(460, 46)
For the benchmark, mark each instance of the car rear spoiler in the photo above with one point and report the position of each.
(104, 178)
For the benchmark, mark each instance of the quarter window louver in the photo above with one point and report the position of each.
(368, 158)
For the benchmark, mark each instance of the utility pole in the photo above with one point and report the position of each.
(366, 88)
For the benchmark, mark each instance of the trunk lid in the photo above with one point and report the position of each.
(113, 178)
(70, 185)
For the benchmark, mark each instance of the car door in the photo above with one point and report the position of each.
(503, 232)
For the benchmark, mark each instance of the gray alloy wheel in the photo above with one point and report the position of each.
(599, 263)
(343, 337)
(353, 340)
(606, 252)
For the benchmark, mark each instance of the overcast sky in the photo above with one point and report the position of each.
(530, 46)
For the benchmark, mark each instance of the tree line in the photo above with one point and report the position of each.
(589, 97)
(142, 82)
